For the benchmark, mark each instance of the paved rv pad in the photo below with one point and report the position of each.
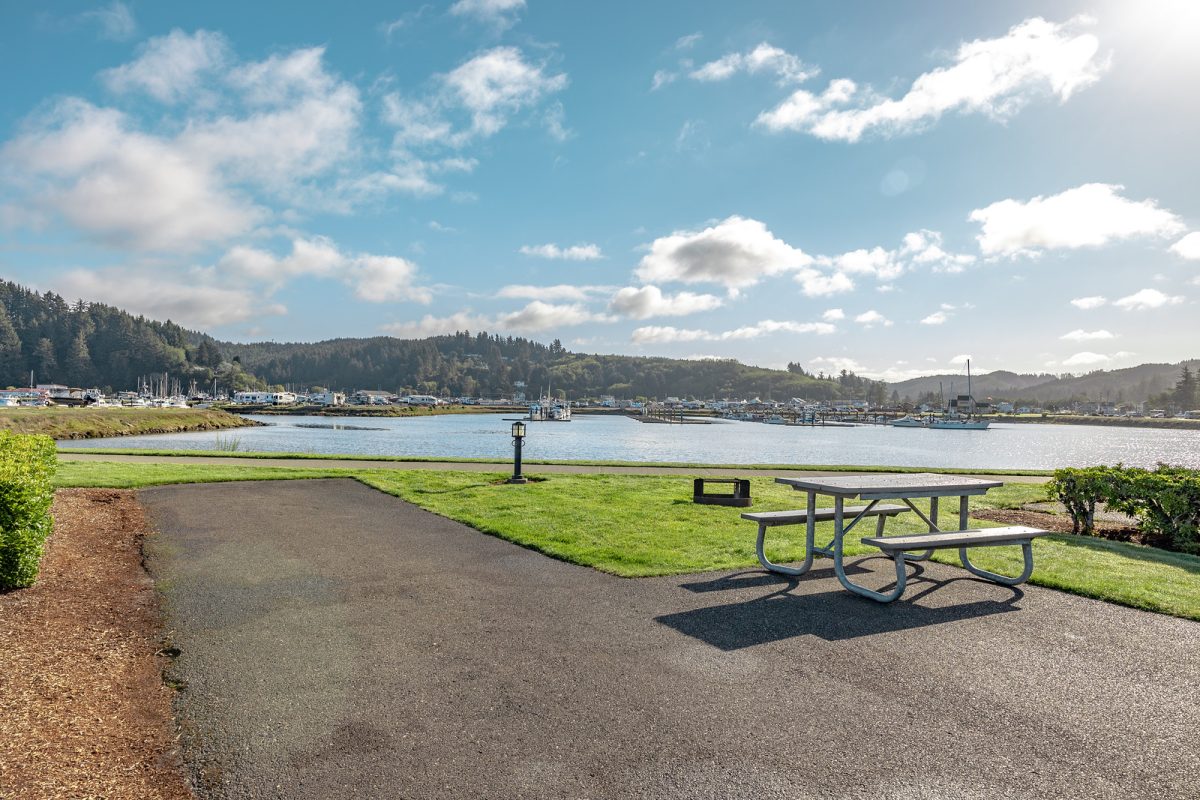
(336, 641)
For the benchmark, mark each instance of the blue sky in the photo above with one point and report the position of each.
(888, 188)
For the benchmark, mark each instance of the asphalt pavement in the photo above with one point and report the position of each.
(337, 642)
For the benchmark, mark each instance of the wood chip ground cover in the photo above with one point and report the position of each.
(83, 709)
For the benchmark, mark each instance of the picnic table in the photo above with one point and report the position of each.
(905, 488)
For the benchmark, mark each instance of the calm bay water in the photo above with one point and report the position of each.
(1011, 446)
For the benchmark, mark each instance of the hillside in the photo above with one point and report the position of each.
(1130, 385)
(91, 344)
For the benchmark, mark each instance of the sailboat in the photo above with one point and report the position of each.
(953, 421)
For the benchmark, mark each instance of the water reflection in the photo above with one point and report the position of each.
(1011, 446)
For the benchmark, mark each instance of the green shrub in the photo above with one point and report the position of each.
(1165, 500)
(27, 464)
(1079, 489)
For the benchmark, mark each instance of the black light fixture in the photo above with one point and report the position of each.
(518, 433)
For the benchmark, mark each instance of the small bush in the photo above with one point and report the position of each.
(1165, 500)
(27, 464)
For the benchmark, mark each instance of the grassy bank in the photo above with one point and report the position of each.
(647, 525)
(860, 468)
(93, 423)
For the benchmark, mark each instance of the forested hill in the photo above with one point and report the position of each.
(94, 345)
(1145, 382)
(466, 364)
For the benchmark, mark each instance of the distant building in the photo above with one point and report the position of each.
(264, 398)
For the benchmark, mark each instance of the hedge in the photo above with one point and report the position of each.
(1165, 500)
(27, 464)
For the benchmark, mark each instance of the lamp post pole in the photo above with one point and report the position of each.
(518, 433)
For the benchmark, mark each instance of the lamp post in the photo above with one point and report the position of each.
(518, 433)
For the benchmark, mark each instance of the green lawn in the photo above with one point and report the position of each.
(633, 525)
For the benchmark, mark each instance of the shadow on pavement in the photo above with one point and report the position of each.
(833, 616)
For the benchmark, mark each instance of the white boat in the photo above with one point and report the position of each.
(560, 412)
(953, 421)
(775, 419)
(909, 421)
(959, 424)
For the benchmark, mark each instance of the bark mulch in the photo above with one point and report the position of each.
(83, 708)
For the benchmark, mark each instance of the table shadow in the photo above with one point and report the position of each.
(751, 579)
(834, 616)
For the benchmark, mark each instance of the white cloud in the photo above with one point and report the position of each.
(872, 318)
(1087, 303)
(936, 318)
(658, 334)
(649, 301)
(833, 315)
(187, 299)
(1087, 216)
(836, 364)
(170, 68)
(771, 326)
(786, 67)
(374, 278)
(1080, 335)
(662, 78)
(996, 77)
(1086, 359)
(551, 293)
(921, 248)
(539, 316)
(430, 325)
(1147, 299)
(115, 21)
(500, 13)
(818, 284)
(959, 360)
(688, 41)
(1188, 247)
(578, 252)
(665, 333)
(303, 123)
(735, 252)
(497, 83)
(126, 188)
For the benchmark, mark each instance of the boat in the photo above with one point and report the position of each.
(909, 421)
(953, 421)
(560, 412)
(775, 419)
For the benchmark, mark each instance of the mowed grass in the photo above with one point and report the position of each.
(115, 475)
(645, 525)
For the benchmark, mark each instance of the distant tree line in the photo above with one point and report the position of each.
(482, 364)
(93, 345)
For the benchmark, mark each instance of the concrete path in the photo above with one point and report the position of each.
(337, 642)
(473, 466)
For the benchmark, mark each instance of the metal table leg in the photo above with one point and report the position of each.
(810, 532)
(839, 533)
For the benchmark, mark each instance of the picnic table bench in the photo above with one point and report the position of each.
(772, 519)
(902, 549)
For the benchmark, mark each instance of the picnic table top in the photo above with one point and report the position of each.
(892, 485)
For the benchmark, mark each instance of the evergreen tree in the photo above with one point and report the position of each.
(11, 363)
(45, 362)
